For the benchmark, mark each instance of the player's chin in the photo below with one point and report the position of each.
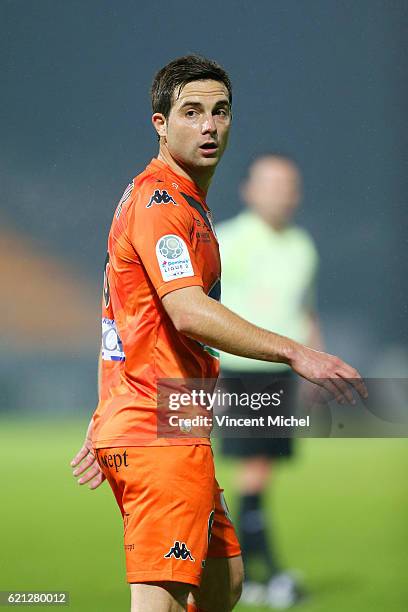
(208, 160)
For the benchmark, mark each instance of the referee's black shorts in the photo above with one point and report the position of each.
(273, 448)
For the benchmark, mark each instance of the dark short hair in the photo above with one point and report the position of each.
(178, 73)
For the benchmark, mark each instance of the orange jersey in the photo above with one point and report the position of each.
(161, 239)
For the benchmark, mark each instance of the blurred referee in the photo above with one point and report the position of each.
(274, 286)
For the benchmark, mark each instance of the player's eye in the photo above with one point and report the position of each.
(221, 112)
(191, 113)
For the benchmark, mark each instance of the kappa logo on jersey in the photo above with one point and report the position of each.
(173, 257)
(160, 197)
(124, 198)
(179, 551)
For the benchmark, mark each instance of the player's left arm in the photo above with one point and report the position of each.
(84, 464)
(202, 318)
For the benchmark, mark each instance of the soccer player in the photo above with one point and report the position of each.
(279, 296)
(160, 316)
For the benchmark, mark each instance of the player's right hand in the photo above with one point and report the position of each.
(329, 372)
(85, 465)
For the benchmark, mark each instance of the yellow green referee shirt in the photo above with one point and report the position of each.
(268, 277)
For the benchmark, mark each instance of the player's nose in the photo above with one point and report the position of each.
(208, 126)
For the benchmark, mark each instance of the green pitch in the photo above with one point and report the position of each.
(339, 509)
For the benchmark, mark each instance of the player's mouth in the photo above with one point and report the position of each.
(209, 148)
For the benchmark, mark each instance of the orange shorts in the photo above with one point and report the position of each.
(174, 512)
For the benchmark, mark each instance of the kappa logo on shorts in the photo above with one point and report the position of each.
(160, 197)
(179, 551)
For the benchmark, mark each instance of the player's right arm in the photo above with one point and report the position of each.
(200, 317)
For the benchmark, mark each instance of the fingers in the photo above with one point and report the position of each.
(90, 474)
(333, 374)
(333, 389)
(78, 457)
(343, 391)
(341, 387)
(86, 463)
(353, 378)
(358, 384)
(87, 468)
(89, 471)
(318, 395)
(98, 480)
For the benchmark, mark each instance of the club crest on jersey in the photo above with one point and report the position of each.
(179, 551)
(160, 197)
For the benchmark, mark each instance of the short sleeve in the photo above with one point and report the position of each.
(160, 229)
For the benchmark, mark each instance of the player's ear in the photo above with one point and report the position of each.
(160, 124)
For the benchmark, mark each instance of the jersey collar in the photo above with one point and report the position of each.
(183, 183)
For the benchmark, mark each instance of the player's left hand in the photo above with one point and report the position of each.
(85, 465)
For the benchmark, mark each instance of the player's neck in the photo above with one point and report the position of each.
(201, 179)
